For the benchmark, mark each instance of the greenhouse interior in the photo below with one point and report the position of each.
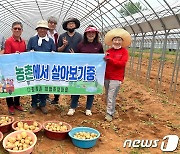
(154, 55)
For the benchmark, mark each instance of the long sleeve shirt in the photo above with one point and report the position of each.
(90, 48)
(46, 46)
(116, 62)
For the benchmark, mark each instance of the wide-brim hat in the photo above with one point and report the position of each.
(76, 21)
(42, 24)
(118, 32)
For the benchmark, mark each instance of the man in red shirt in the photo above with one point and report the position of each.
(15, 44)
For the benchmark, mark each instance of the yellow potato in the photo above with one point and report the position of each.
(26, 126)
(49, 123)
(4, 120)
(7, 118)
(25, 146)
(35, 124)
(27, 141)
(29, 138)
(50, 129)
(9, 145)
(22, 141)
(23, 134)
(32, 127)
(59, 127)
(85, 135)
(12, 139)
(20, 144)
(15, 149)
(20, 124)
(54, 129)
(16, 144)
(37, 128)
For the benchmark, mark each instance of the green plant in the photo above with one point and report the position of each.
(148, 123)
(135, 151)
(164, 102)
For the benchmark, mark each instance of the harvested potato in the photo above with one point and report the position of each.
(35, 124)
(85, 135)
(25, 126)
(19, 137)
(20, 124)
(56, 127)
(15, 148)
(19, 142)
(12, 139)
(9, 145)
(24, 135)
(4, 120)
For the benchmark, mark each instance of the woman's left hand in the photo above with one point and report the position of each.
(71, 50)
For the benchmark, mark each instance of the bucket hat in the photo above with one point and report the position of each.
(118, 32)
(76, 21)
(42, 24)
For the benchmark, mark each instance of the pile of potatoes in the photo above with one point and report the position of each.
(56, 127)
(85, 135)
(19, 142)
(25, 126)
(5, 120)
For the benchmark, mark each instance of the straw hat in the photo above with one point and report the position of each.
(77, 23)
(118, 32)
(42, 24)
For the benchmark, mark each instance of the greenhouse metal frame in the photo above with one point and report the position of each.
(156, 26)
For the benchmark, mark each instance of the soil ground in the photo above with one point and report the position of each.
(141, 113)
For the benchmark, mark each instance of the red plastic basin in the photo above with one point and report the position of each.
(29, 122)
(7, 127)
(56, 135)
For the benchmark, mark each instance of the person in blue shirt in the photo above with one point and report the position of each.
(40, 42)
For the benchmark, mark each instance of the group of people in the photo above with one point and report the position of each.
(47, 40)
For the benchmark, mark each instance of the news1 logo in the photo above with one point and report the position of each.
(172, 143)
(169, 143)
